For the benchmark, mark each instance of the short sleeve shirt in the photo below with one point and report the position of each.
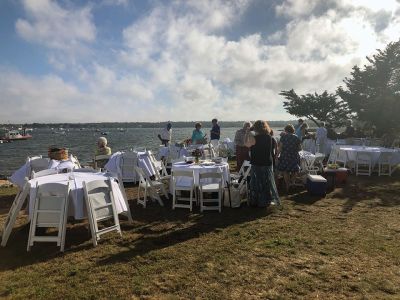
(166, 134)
(216, 132)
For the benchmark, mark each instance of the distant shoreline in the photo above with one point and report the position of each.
(176, 124)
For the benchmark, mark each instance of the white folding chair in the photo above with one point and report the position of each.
(315, 166)
(126, 168)
(238, 188)
(385, 164)
(183, 181)
(50, 211)
(235, 177)
(363, 163)
(336, 157)
(44, 173)
(208, 151)
(37, 164)
(75, 161)
(214, 187)
(333, 155)
(151, 188)
(161, 173)
(100, 161)
(100, 204)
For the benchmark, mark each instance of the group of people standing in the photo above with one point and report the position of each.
(257, 144)
(198, 136)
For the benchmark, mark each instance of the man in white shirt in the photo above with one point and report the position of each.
(165, 135)
(321, 136)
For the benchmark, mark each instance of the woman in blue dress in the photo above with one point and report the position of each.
(289, 158)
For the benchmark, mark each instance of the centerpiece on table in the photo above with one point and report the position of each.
(197, 154)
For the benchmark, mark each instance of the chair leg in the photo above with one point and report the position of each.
(173, 199)
(145, 197)
(201, 200)
(190, 199)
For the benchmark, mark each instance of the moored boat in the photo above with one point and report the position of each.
(16, 135)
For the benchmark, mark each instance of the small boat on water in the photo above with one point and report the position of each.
(16, 135)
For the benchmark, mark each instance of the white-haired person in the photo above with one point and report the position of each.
(102, 148)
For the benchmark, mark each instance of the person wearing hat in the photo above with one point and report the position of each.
(102, 148)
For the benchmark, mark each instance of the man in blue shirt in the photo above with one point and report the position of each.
(215, 134)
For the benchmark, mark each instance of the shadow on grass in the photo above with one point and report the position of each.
(153, 228)
(181, 226)
(302, 197)
(374, 191)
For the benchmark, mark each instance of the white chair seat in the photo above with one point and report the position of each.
(178, 199)
(183, 187)
(208, 187)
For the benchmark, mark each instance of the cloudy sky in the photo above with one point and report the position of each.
(137, 60)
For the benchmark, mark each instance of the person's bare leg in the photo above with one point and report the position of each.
(286, 177)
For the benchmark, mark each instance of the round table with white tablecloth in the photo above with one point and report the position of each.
(349, 152)
(113, 164)
(18, 177)
(200, 168)
(77, 206)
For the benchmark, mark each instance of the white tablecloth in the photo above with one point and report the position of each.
(18, 177)
(77, 207)
(143, 162)
(172, 152)
(350, 151)
(198, 168)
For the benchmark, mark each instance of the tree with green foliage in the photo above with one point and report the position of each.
(316, 107)
(373, 92)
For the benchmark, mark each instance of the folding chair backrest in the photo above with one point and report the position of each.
(182, 173)
(333, 155)
(127, 165)
(244, 167)
(75, 161)
(44, 173)
(245, 175)
(143, 179)
(99, 196)
(210, 175)
(363, 156)
(157, 165)
(50, 210)
(39, 164)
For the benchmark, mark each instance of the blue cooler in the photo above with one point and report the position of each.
(316, 185)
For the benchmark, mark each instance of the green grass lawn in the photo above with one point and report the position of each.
(346, 245)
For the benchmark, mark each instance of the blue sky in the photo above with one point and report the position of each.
(131, 60)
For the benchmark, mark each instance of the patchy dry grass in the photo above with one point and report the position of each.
(346, 245)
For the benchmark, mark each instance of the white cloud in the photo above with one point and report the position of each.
(56, 27)
(176, 63)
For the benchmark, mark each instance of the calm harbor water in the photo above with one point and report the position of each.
(82, 143)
